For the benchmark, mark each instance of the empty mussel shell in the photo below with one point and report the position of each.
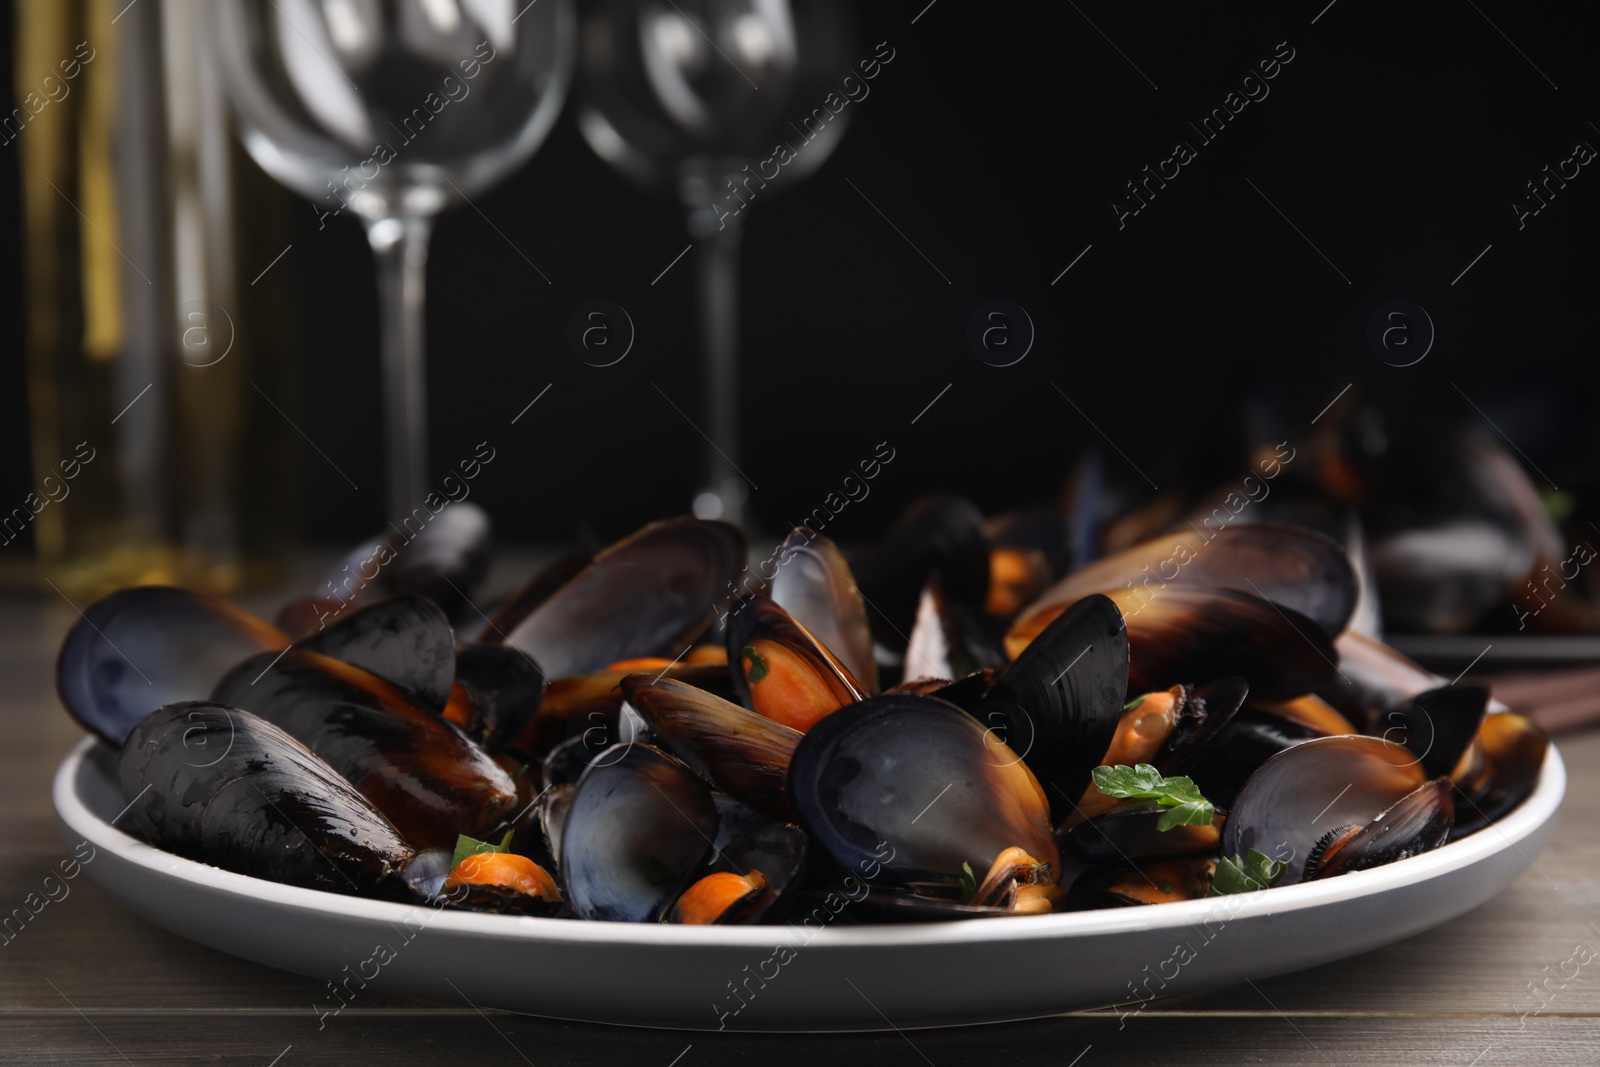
(220, 785)
(638, 830)
(138, 649)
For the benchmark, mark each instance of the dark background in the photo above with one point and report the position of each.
(1395, 140)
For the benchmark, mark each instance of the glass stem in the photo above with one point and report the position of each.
(400, 245)
(717, 285)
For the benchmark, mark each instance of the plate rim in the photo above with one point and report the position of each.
(1540, 807)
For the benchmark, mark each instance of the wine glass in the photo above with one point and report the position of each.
(395, 109)
(721, 102)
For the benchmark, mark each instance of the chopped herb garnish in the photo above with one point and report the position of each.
(1166, 887)
(969, 884)
(1133, 705)
(1255, 872)
(758, 666)
(471, 846)
(1178, 795)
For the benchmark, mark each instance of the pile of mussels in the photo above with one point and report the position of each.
(939, 726)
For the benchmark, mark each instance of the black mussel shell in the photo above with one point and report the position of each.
(952, 640)
(1251, 737)
(1190, 633)
(781, 670)
(1437, 725)
(406, 641)
(138, 649)
(772, 854)
(1297, 796)
(442, 555)
(1204, 717)
(917, 791)
(1412, 825)
(1292, 566)
(1128, 834)
(567, 761)
(813, 584)
(937, 534)
(1499, 770)
(1060, 702)
(419, 770)
(535, 591)
(497, 693)
(638, 830)
(648, 595)
(744, 754)
(220, 785)
(1371, 679)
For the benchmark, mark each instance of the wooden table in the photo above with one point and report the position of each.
(87, 982)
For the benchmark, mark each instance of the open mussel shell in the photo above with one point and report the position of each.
(441, 554)
(1059, 704)
(1299, 795)
(781, 670)
(419, 770)
(591, 705)
(1498, 771)
(813, 584)
(522, 601)
(1292, 566)
(917, 790)
(935, 535)
(751, 874)
(1372, 678)
(222, 786)
(1437, 725)
(1251, 736)
(951, 640)
(745, 754)
(406, 641)
(650, 594)
(1194, 633)
(1207, 712)
(1412, 825)
(637, 831)
(496, 695)
(138, 649)
(1128, 834)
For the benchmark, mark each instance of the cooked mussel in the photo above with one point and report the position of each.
(138, 649)
(405, 640)
(1060, 703)
(442, 554)
(591, 705)
(419, 770)
(1414, 824)
(496, 694)
(746, 754)
(938, 535)
(1291, 566)
(502, 882)
(650, 594)
(1327, 784)
(781, 670)
(1498, 771)
(638, 830)
(220, 785)
(813, 584)
(920, 794)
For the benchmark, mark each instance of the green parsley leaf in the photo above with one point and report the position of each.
(471, 846)
(1133, 705)
(1178, 795)
(758, 666)
(1255, 872)
(969, 884)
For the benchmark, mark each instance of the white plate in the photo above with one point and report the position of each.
(812, 977)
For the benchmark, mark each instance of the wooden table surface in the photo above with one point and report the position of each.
(87, 982)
